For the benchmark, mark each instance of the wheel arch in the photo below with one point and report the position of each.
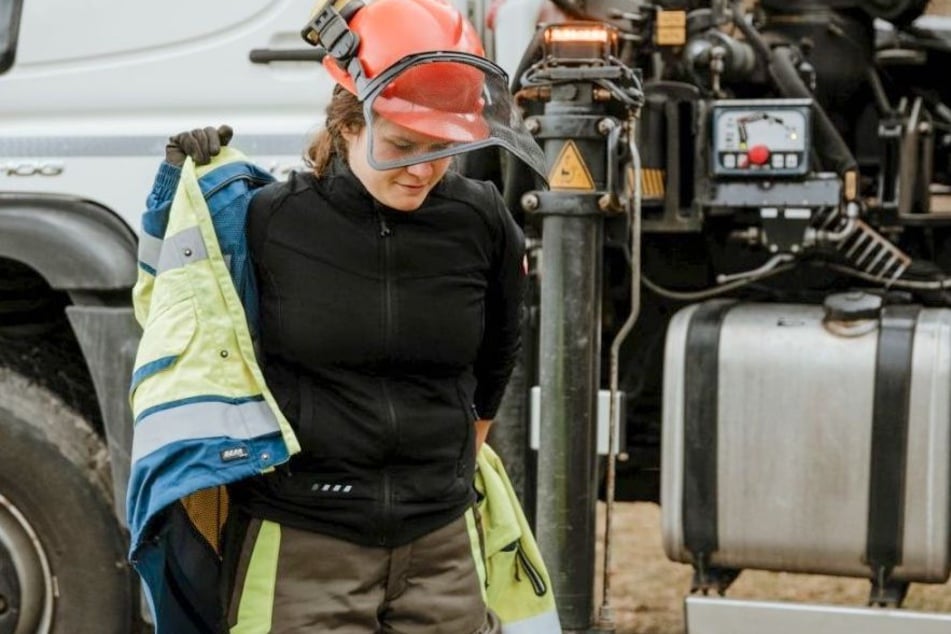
(74, 244)
(86, 255)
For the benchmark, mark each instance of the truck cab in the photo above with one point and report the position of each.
(91, 92)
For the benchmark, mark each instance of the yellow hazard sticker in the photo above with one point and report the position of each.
(652, 182)
(570, 171)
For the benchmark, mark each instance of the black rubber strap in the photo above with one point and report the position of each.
(700, 429)
(886, 493)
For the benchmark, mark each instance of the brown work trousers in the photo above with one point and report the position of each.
(292, 581)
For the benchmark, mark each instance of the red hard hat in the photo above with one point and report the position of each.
(441, 99)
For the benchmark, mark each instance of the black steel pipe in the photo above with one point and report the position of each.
(569, 379)
(569, 364)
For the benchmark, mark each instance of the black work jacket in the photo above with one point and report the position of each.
(385, 335)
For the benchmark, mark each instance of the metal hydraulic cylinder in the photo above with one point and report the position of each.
(569, 379)
(569, 356)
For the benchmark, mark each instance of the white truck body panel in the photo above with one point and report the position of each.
(708, 615)
(97, 87)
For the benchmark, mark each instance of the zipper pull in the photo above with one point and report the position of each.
(384, 228)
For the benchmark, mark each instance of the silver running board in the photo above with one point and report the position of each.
(706, 615)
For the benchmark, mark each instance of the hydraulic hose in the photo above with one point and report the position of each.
(835, 153)
(751, 34)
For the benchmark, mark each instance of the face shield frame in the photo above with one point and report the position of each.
(527, 151)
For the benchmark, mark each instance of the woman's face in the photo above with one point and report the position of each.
(402, 188)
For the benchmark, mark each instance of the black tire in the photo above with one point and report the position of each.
(62, 554)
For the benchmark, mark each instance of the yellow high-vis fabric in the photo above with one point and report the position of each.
(203, 415)
(518, 588)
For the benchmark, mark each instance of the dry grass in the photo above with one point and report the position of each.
(940, 7)
(648, 590)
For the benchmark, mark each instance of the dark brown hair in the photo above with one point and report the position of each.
(344, 114)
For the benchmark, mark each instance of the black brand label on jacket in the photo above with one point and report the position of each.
(234, 453)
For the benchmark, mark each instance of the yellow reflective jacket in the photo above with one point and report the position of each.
(518, 588)
(203, 415)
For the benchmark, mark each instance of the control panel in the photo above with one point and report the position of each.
(761, 137)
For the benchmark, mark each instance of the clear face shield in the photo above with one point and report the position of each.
(434, 105)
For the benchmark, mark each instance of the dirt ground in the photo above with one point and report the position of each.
(648, 590)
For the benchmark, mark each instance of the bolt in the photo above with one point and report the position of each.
(794, 248)
(224, 354)
(924, 128)
(188, 253)
(265, 457)
(773, 248)
(606, 125)
(530, 202)
(533, 125)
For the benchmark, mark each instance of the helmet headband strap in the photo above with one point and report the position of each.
(329, 30)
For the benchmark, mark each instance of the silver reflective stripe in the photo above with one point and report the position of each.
(61, 147)
(197, 420)
(150, 248)
(546, 623)
(180, 249)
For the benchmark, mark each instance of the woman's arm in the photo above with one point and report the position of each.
(503, 308)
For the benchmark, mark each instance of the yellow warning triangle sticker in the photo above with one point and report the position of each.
(570, 171)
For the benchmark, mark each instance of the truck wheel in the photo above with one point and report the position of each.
(62, 556)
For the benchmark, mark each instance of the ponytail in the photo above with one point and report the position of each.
(344, 114)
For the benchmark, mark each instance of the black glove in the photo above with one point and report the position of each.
(201, 144)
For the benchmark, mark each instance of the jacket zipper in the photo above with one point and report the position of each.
(387, 501)
(470, 416)
(534, 577)
(385, 233)
(391, 421)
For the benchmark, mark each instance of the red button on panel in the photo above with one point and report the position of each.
(759, 154)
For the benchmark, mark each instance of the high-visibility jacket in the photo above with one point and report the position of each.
(518, 588)
(204, 416)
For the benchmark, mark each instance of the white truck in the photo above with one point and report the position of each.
(742, 175)
(90, 93)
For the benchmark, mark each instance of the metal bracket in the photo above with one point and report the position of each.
(565, 203)
(887, 592)
(707, 578)
(565, 127)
